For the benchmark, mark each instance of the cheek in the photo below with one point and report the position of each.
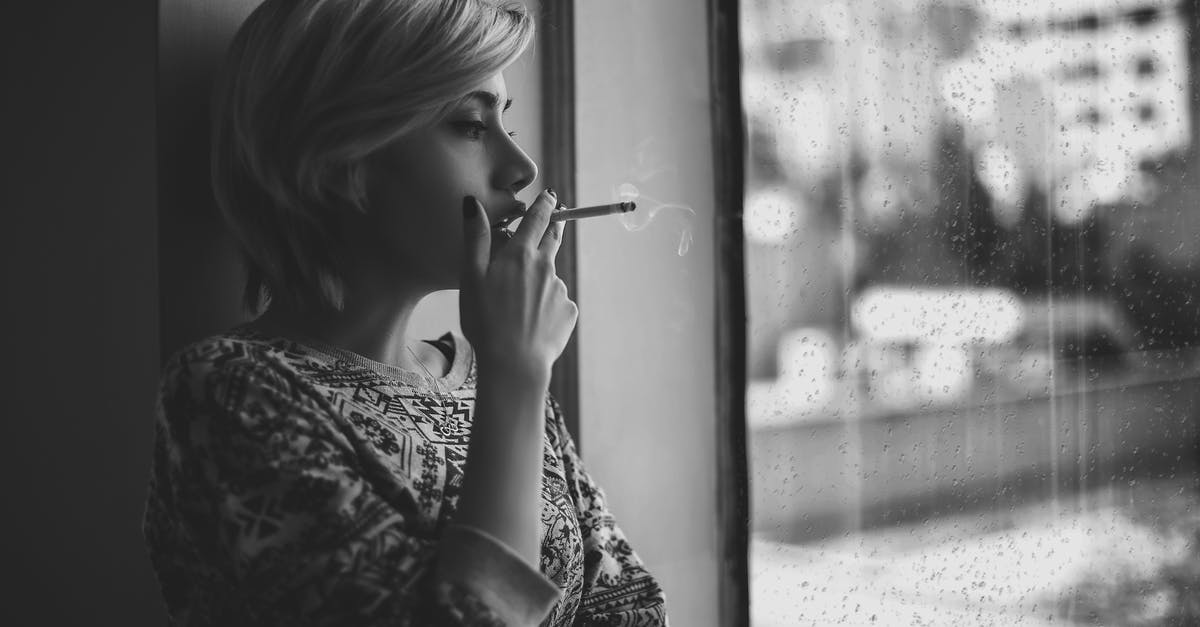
(410, 201)
(417, 200)
(419, 228)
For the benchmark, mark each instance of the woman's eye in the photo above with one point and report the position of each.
(476, 128)
(473, 128)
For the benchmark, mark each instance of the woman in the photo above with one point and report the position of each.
(312, 467)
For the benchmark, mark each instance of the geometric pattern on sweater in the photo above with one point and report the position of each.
(291, 487)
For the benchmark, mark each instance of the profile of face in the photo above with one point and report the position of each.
(415, 189)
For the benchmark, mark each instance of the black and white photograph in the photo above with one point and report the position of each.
(633, 313)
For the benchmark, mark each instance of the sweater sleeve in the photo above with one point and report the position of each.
(617, 588)
(273, 497)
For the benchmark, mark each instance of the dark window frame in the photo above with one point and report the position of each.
(728, 142)
(557, 45)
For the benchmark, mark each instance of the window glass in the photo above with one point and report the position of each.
(973, 278)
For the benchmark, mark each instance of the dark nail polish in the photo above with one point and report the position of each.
(468, 206)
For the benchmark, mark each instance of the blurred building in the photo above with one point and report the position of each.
(970, 143)
(1073, 97)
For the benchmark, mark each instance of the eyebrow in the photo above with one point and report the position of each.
(490, 99)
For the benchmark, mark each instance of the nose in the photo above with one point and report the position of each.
(516, 170)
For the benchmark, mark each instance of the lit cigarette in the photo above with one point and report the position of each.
(591, 212)
(561, 214)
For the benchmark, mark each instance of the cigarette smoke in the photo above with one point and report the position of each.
(647, 209)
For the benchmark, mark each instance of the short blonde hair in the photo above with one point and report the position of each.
(311, 88)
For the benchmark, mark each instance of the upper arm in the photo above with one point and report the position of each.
(276, 500)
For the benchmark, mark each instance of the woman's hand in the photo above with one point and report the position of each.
(514, 309)
(516, 314)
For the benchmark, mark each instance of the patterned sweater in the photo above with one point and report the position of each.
(299, 484)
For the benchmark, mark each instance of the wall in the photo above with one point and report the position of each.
(80, 312)
(199, 276)
(646, 327)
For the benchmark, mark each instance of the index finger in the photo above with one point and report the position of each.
(534, 221)
(552, 240)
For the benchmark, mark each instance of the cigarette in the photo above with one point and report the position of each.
(591, 212)
(562, 214)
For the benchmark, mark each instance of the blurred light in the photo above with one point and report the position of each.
(1112, 173)
(1002, 175)
(1073, 199)
(771, 216)
(941, 373)
(807, 355)
(937, 316)
(806, 388)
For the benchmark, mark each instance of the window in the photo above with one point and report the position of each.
(973, 283)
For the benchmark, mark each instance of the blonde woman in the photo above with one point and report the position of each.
(314, 467)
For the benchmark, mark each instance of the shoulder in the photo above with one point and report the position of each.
(223, 367)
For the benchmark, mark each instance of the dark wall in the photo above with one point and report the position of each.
(80, 313)
(200, 279)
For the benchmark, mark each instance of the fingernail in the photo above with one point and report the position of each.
(468, 207)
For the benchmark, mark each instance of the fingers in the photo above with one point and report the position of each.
(552, 239)
(477, 240)
(534, 221)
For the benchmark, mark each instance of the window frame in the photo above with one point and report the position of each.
(557, 87)
(728, 142)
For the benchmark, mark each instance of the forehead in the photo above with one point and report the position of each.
(495, 84)
(493, 91)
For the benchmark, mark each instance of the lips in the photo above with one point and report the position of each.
(508, 216)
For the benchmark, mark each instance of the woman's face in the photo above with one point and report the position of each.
(415, 188)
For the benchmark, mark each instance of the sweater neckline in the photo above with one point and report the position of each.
(420, 380)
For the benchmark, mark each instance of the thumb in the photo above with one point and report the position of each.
(477, 241)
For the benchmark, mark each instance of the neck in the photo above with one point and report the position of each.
(375, 328)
